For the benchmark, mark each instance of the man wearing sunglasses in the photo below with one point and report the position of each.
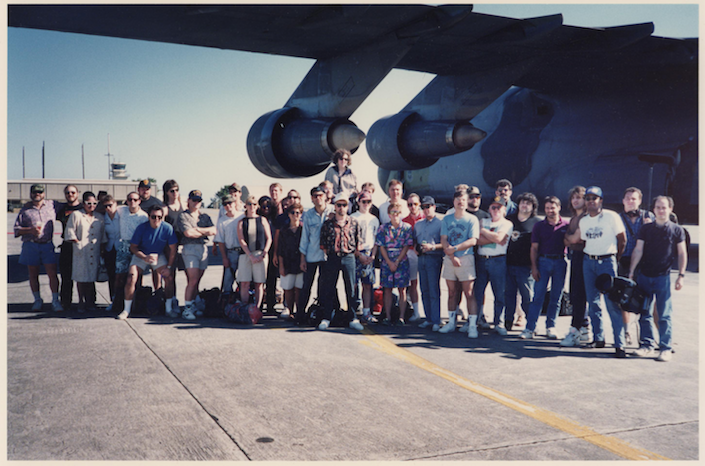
(503, 189)
(66, 256)
(605, 238)
(364, 264)
(147, 246)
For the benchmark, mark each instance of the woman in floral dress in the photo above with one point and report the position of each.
(394, 240)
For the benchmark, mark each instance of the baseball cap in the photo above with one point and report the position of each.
(499, 200)
(235, 186)
(317, 189)
(474, 191)
(195, 195)
(228, 198)
(594, 190)
(428, 200)
(364, 196)
(37, 188)
(145, 184)
(341, 196)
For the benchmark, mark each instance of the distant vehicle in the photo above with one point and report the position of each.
(545, 105)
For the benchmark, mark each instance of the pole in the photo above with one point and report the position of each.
(108, 155)
(83, 163)
(22, 162)
(42, 159)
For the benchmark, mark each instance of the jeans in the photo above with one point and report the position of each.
(494, 271)
(229, 272)
(430, 283)
(305, 292)
(660, 287)
(553, 269)
(66, 268)
(330, 271)
(518, 279)
(593, 268)
(577, 290)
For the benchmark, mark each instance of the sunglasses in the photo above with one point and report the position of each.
(71, 192)
(294, 197)
(175, 190)
(296, 212)
(250, 204)
(495, 207)
(426, 206)
(227, 203)
(156, 217)
(341, 205)
(591, 198)
(395, 212)
(365, 202)
(91, 203)
(503, 190)
(413, 204)
(132, 199)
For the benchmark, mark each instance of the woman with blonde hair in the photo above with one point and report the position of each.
(255, 239)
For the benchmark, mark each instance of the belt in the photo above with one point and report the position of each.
(38, 242)
(239, 250)
(553, 256)
(598, 258)
(343, 254)
(491, 257)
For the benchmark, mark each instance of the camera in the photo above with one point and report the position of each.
(625, 292)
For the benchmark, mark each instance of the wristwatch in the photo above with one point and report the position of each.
(681, 275)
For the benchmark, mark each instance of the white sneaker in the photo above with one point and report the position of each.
(526, 334)
(435, 328)
(472, 331)
(643, 352)
(465, 327)
(284, 314)
(415, 317)
(551, 333)
(573, 338)
(425, 324)
(123, 315)
(584, 334)
(189, 313)
(37, 305)
(500, 330)
(452, 322)
(56, 306)
(665, 356)
(356, 325)
(324, 324)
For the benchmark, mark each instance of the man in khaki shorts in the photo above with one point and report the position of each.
(459, 235)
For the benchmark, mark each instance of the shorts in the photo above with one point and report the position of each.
(292, 280)
(413, 264)
(123, 257)
(35, 254)
(464, 273)
(195, 256)
(365, 274)
(161, 261)
(248, 272)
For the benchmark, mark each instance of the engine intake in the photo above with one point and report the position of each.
(282, 144)
(406, 142)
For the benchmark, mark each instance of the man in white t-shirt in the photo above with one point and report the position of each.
(492, 260)
(604, 235)
(227, 240)
(364, 263)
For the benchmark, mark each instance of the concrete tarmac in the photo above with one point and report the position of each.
(90, 387)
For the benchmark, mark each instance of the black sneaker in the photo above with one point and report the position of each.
(597, 344)
(620, 353)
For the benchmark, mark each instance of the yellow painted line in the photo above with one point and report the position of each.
(611, 444)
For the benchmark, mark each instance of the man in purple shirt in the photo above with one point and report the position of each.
(547, 262)
(35, 224)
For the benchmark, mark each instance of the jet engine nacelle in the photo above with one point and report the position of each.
(283, 144)
(406, 142)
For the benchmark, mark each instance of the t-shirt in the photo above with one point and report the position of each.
(460, 230)
(660, 249)
(519, 247)
(632, 229)
(550, 237)
(145, 205)
(63, 213)
(186, 222)
(600, 233)
(226, 231)
(501, 226)
(369, 225)
(130, 221)
(153, 240)
(384, 215)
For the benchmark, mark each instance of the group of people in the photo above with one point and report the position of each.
(274, 238)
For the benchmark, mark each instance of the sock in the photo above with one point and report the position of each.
(37, 295)
(169, 302)
(472, 319)
(55, 297)
(365, 311)
(416, 307)
(128, 305)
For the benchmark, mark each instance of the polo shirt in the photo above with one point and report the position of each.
(153, 240)
(429, 232)
(550, 237)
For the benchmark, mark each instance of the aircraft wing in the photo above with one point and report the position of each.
(446, 40)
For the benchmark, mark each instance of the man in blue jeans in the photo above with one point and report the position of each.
(427, 234)
(605, 237)
(656, 247)
(547, 263)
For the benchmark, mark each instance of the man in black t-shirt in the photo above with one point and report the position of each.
(656, 248)
(147, 200)
(519, 259)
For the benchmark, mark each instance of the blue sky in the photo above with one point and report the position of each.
(183, 112)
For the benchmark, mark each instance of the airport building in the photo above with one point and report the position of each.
(18, 190)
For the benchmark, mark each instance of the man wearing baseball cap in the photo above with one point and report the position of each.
(427, 232)
(35, 224)
(196, 227)
(605, 237)
(147, 200)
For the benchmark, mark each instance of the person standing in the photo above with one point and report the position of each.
(255, 237)
(235, 192)
(275, 193)
(519, 277)
(579, 324)
(459, 235)
(112, 233)
(491, 266)
(147, 247)
(503, 189)
(659, 243)
(415, 214)
(174, 207)
(85, 229)
(547, 263)
(35, 224)
(427, 232)
(292, 277)
(395, 191)
(340, 240)
(146, 198)
(340, 174)
(228, 242)
(66, 255)
(364, 263)
(605, 237)
(195, 227)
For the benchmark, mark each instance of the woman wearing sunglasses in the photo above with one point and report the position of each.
(85, 229)
(255, 240)
(292, 277)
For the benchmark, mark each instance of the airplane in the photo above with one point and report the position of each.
(543, 104)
